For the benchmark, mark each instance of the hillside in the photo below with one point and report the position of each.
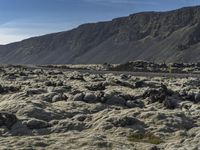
(172, 36)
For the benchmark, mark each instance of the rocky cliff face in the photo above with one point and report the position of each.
(172, 36)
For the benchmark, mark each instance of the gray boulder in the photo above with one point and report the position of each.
(90, 98)
(59, 97)
(7, 119)
(131, 104)
(31, 92)
(116, 100)
(36, 124)
(197, 97)
(170, 103)
(78, 97)
(48, 97)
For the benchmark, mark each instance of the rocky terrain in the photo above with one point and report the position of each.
(144, 66)
(53, 109)
(134, 66)
(172, 36)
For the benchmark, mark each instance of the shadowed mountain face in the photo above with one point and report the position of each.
(172, 36)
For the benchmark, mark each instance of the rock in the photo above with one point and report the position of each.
(125, 84)
(7, 89)
(100, 96)
(96, 87)
(61, 89)
(78, 97)
(124, 77)
(59, 97)
(77, 76)
(59, 83)
(50, 83)
(54, 84)
(7, 119)
(186, 105)
(108, 94)
(36, 124)
(75, 91)
(2, 89)
(48, 97)
(157, 95)
(154, 148)
(197, 97)
(95, 77)
(80, 117)
(190, 96)
(170, 103)
(183, 94)
(90, 98)
(31, 92)
(132, 104)
(20, 129)
(176, 121)
(139, 84)
(154, 95)
(116, 100)
(124, 121)
(38, 113)
(193, 82)
(11, 76)
(126, 96)
(3, 130)
(55, 72)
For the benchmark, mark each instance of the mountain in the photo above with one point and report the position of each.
(172, 36)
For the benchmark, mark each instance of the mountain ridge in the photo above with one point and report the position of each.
(171, 36)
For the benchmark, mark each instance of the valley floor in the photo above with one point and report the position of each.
(52, 109)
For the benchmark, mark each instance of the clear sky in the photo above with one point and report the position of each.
(20, 19)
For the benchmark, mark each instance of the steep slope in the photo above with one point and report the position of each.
(172, 36)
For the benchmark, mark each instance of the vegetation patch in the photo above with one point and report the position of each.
(145, 138)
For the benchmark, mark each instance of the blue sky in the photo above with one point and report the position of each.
(20, 19)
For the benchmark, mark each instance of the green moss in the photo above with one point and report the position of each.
(145, 138)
